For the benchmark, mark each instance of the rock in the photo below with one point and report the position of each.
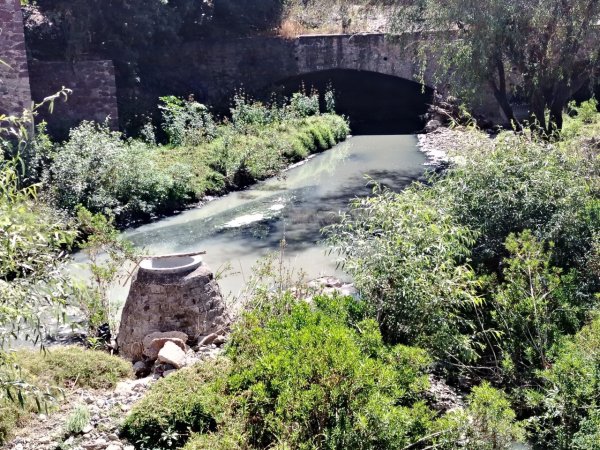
(432, 125)
(113, 437)
(219, 340)
(87, 429)
(166, 373)
(188, 301)
(127, 386)
(153, 342)
(114, 447)
(172, 354)
(98, 444)
(142, 369)
(207, 340)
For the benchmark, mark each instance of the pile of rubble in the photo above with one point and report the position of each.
(165, 352)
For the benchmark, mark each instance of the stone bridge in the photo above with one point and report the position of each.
(212, 70)
(221, 66)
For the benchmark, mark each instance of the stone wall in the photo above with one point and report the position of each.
(94, 95)
(15, 94)
(213, 69)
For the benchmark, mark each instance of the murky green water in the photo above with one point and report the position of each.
(244, 226)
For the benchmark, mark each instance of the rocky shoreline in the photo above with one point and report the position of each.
(440, 144)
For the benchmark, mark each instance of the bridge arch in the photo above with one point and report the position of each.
(375, 103)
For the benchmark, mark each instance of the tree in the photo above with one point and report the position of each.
(541, 50)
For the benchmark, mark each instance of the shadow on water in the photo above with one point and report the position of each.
(243, 226)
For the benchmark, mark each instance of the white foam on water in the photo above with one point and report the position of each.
(277, 207)
(244, 220)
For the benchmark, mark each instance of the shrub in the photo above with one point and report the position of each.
(488, 423)
(77, 420)
(188, 401)
(315, 378)
(533, 307)
(523, 184)
(408, 258)
(104, 173)
(247, 114)
(74, 366)
(568, 404)
(433, 262)
(187, 122)
(303, 105)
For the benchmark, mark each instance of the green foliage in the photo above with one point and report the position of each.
(304, 105)
(409, 259)
(520, 183)
(310, 376)
(581, 117)
(451, 267)
(259, 142)
(33, 244)
(488, 423)
(106, 174)
(543, 51)
(136, 181)
(108, 254)
(568, 404)
(533, 307)
(74, 366)
(77, 420)
(186, 122)
(188, 401)
(315, 378)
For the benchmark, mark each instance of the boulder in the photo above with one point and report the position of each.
(432, 125)
(153, 342)
(141, 369)
(172, 354)
(163, 298)
(220, 340)
(207, 340)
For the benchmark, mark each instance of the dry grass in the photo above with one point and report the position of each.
(52, 371)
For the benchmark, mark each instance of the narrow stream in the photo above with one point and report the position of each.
(243, 226)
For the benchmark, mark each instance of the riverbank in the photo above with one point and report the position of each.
(443, 144)
(138, 181)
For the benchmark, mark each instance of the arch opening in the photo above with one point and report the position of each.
(375, 103)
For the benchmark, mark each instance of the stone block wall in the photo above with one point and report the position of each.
(94, 95)
(15, 93)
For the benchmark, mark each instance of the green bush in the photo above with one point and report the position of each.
(520, 184)
(74, 366)
(568, 405)
(408, 258)
(316, 378)
(487, 423)
(297, 376)
(187, 122)
(99, 170)
(188, 401)
(533, 307)
(137, 180)
(77, 420)
(449, 265)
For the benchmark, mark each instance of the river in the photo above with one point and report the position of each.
(241, 227)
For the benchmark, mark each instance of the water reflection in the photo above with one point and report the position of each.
(243, 226)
